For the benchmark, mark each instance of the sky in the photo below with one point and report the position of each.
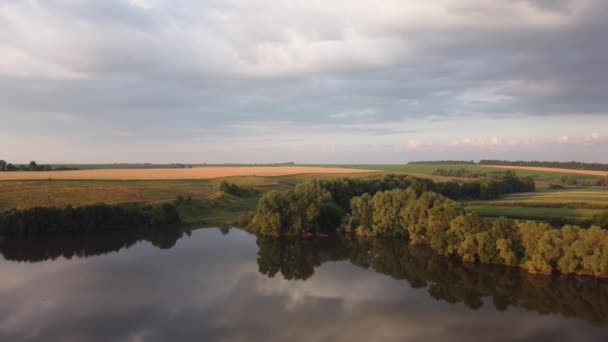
(341, 81)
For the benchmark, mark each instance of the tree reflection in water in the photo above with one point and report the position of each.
(446, 279)
(296, 259)
(84, 245)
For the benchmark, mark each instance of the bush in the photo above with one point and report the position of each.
(601, 220)
(233, 189)
(555, 186)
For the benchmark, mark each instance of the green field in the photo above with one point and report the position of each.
(579, 204)
(543, 177)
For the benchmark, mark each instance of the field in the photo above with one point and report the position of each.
(181, 173)
(575, 205)
(547, 169)
(543, 176)
(210, 206)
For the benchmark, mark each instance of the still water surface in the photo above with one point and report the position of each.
(217, 285)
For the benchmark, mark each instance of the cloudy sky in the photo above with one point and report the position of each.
(343, 81)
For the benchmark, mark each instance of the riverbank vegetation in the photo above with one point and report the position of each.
(316, 206)
(45, 221)
(412, 209)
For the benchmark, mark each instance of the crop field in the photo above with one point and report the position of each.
(548, 169)
(182, 173)
(580, 204)
(541, 175)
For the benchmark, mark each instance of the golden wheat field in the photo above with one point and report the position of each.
(550, 169)
(164, 174)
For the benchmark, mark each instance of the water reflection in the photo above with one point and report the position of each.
(83, 245)
(446, 279)
(232, 286)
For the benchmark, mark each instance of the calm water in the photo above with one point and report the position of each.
(231, 286)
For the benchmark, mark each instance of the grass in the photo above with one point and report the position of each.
(577, 205)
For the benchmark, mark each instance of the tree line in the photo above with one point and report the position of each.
(466, 173)
(97, 217)
(553, 164)
(446, 279)
(575, 181)
(318, 207)
(469, 162)
(32, 166)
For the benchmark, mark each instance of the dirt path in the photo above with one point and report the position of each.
(158, 174)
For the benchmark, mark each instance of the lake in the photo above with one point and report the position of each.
(229, 285)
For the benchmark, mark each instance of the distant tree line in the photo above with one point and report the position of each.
(467, 173)
(180, 166)
(233, 189)
(445, 279)
(41, 220)
(32, 166)
(468, 162)
(574, 181)
(553, 164)
(486, 188)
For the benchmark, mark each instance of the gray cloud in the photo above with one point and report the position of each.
(150, 65)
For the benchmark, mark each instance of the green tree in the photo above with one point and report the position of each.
(32, 166)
